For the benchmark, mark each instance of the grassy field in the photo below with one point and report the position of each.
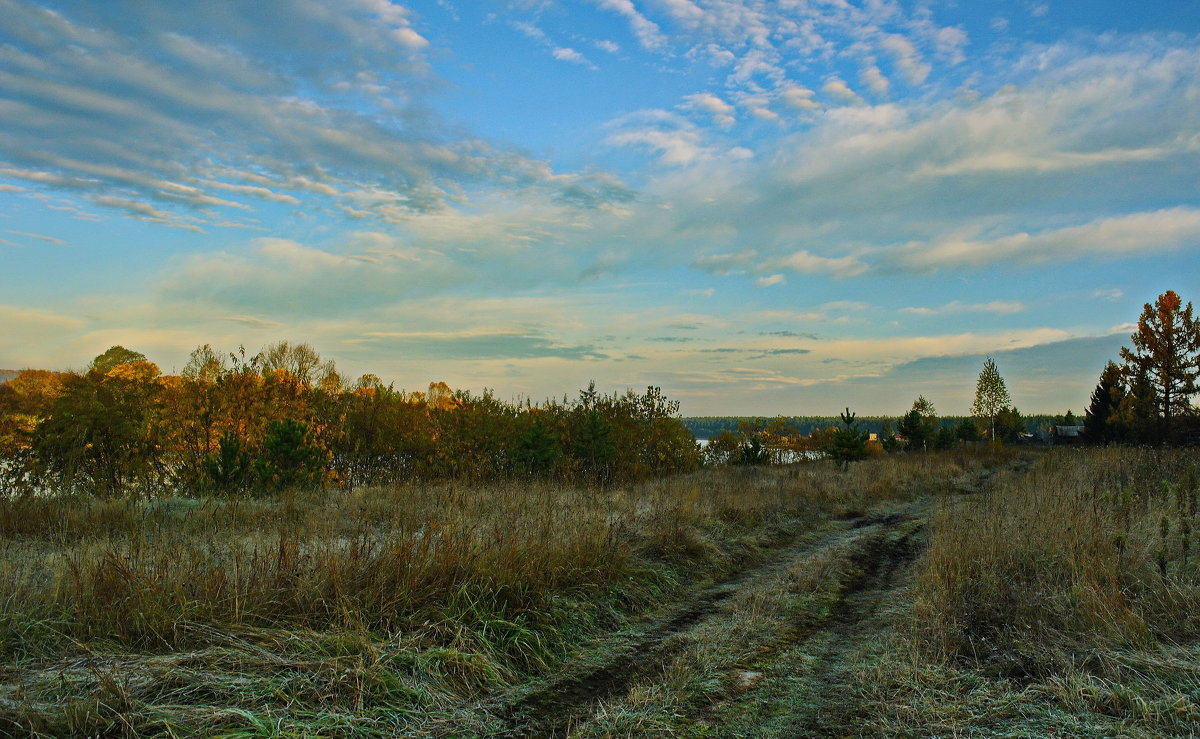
(914, 595)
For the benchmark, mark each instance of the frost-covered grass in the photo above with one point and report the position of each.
(369, 612)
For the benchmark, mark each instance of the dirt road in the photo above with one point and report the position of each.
(763, 653)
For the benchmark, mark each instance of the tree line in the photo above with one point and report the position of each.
(230, 423)
(1014, 421)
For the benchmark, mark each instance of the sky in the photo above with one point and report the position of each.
(765, 208)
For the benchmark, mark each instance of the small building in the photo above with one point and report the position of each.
(1067, 435)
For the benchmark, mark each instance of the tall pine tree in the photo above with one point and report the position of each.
(1166, 350)
(1102, 422)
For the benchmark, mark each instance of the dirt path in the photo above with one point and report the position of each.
(826, 676)
(863, 557)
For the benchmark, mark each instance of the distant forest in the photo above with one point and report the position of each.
(708, 427)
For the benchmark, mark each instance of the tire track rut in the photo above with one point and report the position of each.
(553, 709)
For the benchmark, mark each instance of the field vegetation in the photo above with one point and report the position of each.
(977, 592)
(1063, 601)
(373, 611)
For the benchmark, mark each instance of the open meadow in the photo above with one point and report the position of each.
(966, 592)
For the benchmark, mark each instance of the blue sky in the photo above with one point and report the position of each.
(764, 207)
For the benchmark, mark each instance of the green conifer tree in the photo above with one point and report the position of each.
(849, 443)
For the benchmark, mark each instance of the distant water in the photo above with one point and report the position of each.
(787, 457)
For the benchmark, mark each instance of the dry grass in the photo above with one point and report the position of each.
(1090, 549)
(359, 613)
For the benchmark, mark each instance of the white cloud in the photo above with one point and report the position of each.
(277, 277)
(676, 140)
(721, 111)
(997, 307)
(685, 12)
(722, 264)
(933, 185)
(1138, 233)
(950, 42)
(769, 280)
(845, 305)
(681, 146)
(177, 115)
(807, 263)
(646, 31)
(907, 58)
(798, 97)
(565, 54)
(530, 30)
(1029, 161)
(760, 63)
(765, 114)
(37, 237)
(144, 211)
(839, 90)
(263, 193)
(874, 80)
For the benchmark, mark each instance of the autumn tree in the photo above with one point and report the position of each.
(754, 443)
(722, 448)
(24, 401)
(284, 418)
(888, 437)
(991, 396)
(205, 365)
(301, 360)
(475, 433)
(387, 435)
(195, 408)
(116, 355)
(667, 445)
(101, 435)
(1166, 350)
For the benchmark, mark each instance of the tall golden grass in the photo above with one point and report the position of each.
(1089, 550)
(146, 573)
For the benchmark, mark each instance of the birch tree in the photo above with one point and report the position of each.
(991, 396)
